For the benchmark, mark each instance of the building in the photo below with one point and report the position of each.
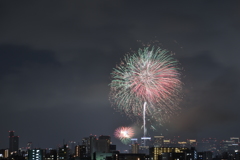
(145, 144)
(71, 145)
(102, 155)
(159, 152)
(207, 155)
(158, 141)
(146, 141)
(51, 154)
(36, 154)
(103, 144)
(80, 151)
(135, 148)
(90, 143)
(4, 153)
(210, 144)
(112, 148)
(167, 143)
(13, 143)
(63, 152)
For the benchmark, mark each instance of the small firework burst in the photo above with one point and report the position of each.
(124, 134)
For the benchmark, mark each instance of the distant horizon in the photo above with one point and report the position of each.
(138, 138)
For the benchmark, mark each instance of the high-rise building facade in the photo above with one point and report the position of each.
(80, 151)
(13, 143)
(103, 144)
(135, 148)
(63, 152)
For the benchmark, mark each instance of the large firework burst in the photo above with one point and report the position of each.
(124, 134)
(150, 76)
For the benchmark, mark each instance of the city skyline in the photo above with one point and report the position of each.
(56, 60)
(171, 141)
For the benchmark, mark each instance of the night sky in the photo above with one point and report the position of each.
(56, 58)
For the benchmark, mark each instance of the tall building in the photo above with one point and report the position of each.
(71, 145)
(135, 148)
(63, 152)
(77, 151)
(103, 144)
(80, 151)
(145, 144)
(90, 143)
(13, 143)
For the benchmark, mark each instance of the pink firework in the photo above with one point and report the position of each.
(153, 81)
(124, 134)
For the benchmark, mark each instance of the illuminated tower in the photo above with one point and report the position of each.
(134, 140)
(13, 143)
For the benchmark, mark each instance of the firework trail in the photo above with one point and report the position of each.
(124, 134)
(144, 119)
(149, 76)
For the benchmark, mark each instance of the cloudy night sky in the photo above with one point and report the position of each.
(56, 58)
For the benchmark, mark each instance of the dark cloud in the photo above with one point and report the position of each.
(211, 100)
(14, 57)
